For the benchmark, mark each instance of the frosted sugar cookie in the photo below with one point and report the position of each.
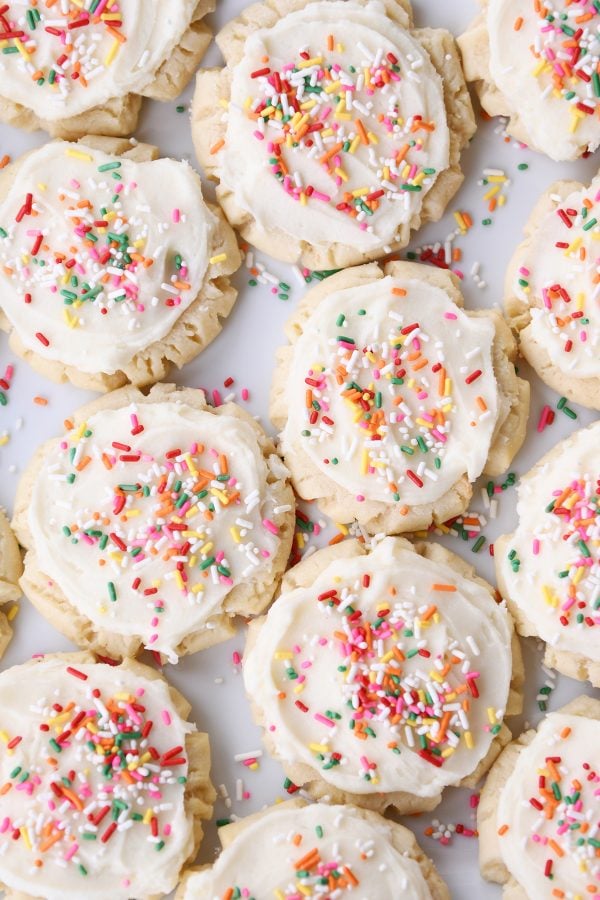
(153, 522)
(105, 782)
(75, 68)
(11, 568)
(552, 291)
(337, 130)
(540, 807)
(381, 678)
(106, 276)
(392, 399)
(327, 851)
(549, 569)
(536, 62)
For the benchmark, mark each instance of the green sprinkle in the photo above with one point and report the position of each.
(112, 592)
(478, 544)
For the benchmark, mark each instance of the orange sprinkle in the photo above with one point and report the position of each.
(518, 23)
(216, 147)
(443, 587)
(41, 401)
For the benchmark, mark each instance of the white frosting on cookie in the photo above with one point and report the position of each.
(559, 279)
(397, 648)
(331, 71)
(392, 392)
(550, 804)
(330, 841)
(92, 804)
(545, 66)
(551, 567)
(97, 259)
(68, 57)
(146, 532)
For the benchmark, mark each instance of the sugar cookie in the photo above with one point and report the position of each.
(537, 64)
(335, 129)
(381, 678)
(549, 569)
(552, 292)
(392, 399)
(539, 809)
(105, 782)
(154, 522)
(293, 845)
(120, 278)
(73, 70)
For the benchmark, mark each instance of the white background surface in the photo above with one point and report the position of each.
(245, 351)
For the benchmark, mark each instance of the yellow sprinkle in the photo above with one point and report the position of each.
(332, 88)
(221, 257)
(13, 612)
(318, 748)
(25, 836)
(21, 49)
(491, 715)
(283, 654)
(469, 740)
(77, 154)
(109, 58)
(235, 534)
(307, 63)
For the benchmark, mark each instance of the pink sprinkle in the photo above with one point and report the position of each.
(176, 215)
(270, 526)
(324, 720)
(166, 716)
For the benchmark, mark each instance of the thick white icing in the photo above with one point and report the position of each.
(373, 463)
(116, 52)
(262, 859)
(525, 849)
(559, 279)
(308, 703)
(551, 565)
(363, 37)
(524, 60)
(171, 567)
(128, 863)
(88, 297)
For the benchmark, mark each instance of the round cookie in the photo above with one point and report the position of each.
(293, 844)
(392, 399)
(540, 806)
(11, 568)
(552, 290)
(370, 678)
(73, 70)
(106, 277)
(154, 522)
(536, 63)
(549, 567)
(350, 119)
(105, 782)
